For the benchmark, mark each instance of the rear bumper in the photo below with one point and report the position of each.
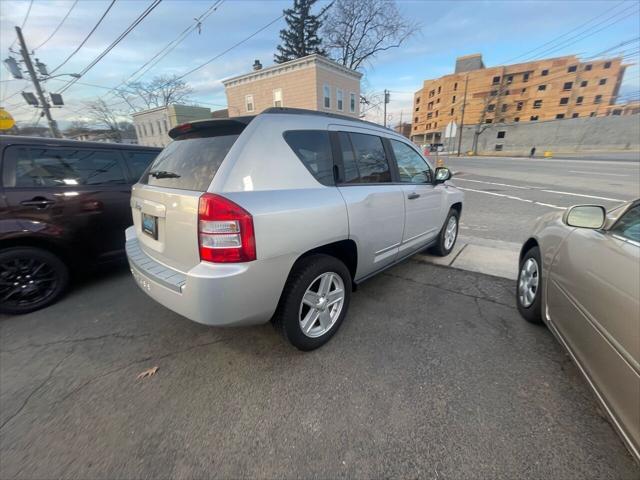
(212, 293)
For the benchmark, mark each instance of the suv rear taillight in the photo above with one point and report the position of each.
(225, 231)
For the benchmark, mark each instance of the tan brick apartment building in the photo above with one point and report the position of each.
(549, 89)
(312, 82)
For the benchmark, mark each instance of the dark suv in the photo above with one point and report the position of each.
(64, 204)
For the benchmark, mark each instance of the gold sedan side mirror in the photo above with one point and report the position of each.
(586, 216)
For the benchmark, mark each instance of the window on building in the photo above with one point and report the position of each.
(151, 128)
(567, 86)
(498, 147)
(572, 68)
(429, 115)
(617, 111)
(584, 83)
(504, 107)
(525, 77)
(564, 101)
(510, 79)
(496, 80)
(602, 81)
(523, 90)
(367, 162)
(506, 92)
(439, 90)
(491, 108)
(452, 111)
(438, 100)
(516, 119)
(501, 134)
(248, 103)
(352, 103)
(437, 113)
(579, 100)
(428, 127)
(435, 125)
(165, 125)
(417, 109)
(326, 96)
(277, 98)
(588, 67)
(430, 106)
(453, 100)
(575, 115)
(607, 64)
(519, 106)
(159, 128)
(417, 99)
(537, 104)
(415, 119)
(541, 88)
(598, 99)
(432, 93)
(493, 93)
(560, 116)
(489, 120)
(533, 118)
(144, 128)
(339, 100)
(545, 73)
(592, 114)
(138, 131)
(455, 86)
(501, 120)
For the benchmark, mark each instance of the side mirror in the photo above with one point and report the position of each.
(586, 216)
(442, 175)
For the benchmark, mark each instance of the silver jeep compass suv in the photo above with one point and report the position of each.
(277, 216)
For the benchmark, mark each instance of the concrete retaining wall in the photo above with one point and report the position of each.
(570, 135)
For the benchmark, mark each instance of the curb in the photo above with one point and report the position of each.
(491, 257)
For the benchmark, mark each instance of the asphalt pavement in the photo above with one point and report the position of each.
(505, 195)
(432, 375)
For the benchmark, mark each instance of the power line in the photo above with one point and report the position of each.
(121, 37)
(172, 44)
(59, 25)
(85, 38)
(230, 48)
(581, 36)
(24, 22)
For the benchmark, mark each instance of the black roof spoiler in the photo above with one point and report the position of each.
(216, 123)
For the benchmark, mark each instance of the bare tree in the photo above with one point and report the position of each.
(490, 105)
(355, 31)
(104, 116)
(158, 92)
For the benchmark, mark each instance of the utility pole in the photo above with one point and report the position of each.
(464, 103)
(53, 126)
(386, 100)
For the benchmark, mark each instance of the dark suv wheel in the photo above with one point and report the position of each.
(30, 279)
(314, 302)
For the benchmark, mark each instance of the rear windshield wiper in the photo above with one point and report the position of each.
(163, 174)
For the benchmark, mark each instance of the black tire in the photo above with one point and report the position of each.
(533, 312)
(42, 274)
(286, 318)
(439, 248)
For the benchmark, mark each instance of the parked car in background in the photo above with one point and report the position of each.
(64, 204)
(580, 274)
(276, 216)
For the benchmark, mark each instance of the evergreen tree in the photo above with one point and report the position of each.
(300, 38)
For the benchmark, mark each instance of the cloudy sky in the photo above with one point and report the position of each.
(503, 31)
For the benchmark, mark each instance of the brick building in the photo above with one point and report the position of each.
(312, 82)
(549, 89)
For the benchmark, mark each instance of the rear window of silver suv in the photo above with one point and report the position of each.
(190, 162)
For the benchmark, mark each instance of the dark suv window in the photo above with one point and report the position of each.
(190, 162)
(364, 159)
(29, 167)
(138, 162)
(313, 148)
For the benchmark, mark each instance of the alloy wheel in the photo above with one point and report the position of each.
(528, 283)
(321, 304)
(450, 232)
(26, 281)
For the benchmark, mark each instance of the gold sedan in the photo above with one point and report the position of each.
(580, 274)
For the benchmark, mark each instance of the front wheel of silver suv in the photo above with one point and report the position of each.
(314, 302)
(448, 235)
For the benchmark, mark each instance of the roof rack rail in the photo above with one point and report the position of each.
(303, 111)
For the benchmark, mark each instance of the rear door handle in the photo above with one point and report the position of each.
(413, 196)
(39, 203)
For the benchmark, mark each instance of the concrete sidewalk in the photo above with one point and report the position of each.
(491, 257)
